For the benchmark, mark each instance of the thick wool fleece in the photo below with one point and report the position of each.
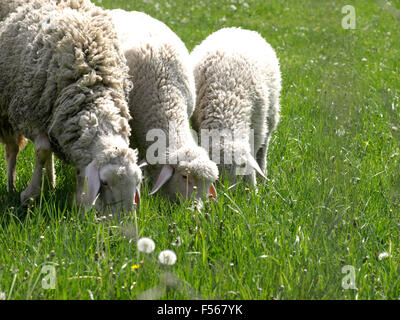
(63, 73)
(9, 6)
(81, 5)
(163, 90)
(238, 84)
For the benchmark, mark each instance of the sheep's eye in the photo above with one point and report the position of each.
(104, 183)
(243, 165)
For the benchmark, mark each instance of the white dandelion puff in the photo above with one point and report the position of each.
(383, 255)
(146, 245)
(3, 295)
(167, 257)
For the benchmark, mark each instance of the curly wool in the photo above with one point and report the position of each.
(163, 90)
(9, 6)
(116, 155)
(63, 72)
(81, 5)
(238, 84)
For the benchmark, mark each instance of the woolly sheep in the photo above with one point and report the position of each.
(238, 84)
(64, 86)
(161, 99)
(14, 144)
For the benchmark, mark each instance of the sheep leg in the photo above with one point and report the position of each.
(42, 154)
(14, 144)
(50, 173)
(272, 121)
(11, 153)
(261, 155)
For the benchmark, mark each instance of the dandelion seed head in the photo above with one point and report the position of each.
(146, 245)
(167, 257)
(383, 255)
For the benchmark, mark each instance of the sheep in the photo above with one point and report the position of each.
(64, 85)
(238, 85)
(14, 144)
(161, 99)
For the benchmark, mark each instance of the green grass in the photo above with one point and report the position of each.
(332, 198)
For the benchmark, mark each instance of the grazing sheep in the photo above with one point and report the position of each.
(64, 86)
(15, 144)
(161, 99)
(238, 84)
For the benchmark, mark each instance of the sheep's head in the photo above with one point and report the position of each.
(113, 181)
(191, 177)
(240, 164)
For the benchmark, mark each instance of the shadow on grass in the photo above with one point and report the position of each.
(51, 202)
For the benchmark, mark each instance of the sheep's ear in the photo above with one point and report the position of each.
(137, 196)
(93, 182)
(253, 163)
(166, 173)
(212, 192)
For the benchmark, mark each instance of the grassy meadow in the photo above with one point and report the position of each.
(331, 203)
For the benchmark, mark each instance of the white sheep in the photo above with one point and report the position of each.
(161, 99)
(64, 85)
(15, 143)
(238, 84)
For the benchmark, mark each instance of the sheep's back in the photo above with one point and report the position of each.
(225, 91)
(23, 71)
(51, 56)
(163, 84)
(234, 70)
